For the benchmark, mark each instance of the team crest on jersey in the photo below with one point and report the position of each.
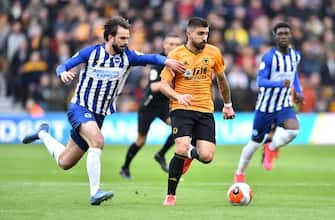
(88, 115)
(254, 132)
(188, 74)
(205, 60)
(117, 60)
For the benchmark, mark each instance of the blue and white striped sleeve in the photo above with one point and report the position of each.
(140, 59)
(79, 57)
(264, 74)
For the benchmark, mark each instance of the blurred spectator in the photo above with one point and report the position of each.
(241, 29)
(14, 40)
(239, 83)
(255, 10)
(29, 79)
(328, 79)
(311, 57)
(310, 86)
(33, 108)
(236, 37)
(15, 65)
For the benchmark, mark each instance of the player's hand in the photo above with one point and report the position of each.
(287, 83)
(228, 112)
(184, 99)
(67, 76)
(298, 98)
(175, 65)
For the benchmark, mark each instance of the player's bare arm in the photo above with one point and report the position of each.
(287, 83)
(166, 89)
(228, 111)
(67, 76)
(155, 86)
(175, 65)
(298, 98)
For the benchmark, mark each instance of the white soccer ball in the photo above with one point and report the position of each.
(239, 194)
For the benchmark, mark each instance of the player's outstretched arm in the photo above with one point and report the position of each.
(228, 111)
(137, 58)
(175, 65)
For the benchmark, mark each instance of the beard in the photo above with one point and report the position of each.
(200, 45)
(117, 49)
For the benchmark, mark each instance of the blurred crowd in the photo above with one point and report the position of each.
(37, 35)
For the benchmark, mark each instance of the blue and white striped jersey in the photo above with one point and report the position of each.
(273, 70)
(103, 76)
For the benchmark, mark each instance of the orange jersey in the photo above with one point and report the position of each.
(197, 79)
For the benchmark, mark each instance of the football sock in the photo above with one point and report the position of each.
(193, 153)
(167, 145)
(175, 172)
(93, 167)
(282, 136)
(54, 147)
(132, 151)
(267, 140)
(246, 154)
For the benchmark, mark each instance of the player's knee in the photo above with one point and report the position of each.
(98, 141)
(140, 142)
(181, 147)
(206, 159)
(64, 165)
(292, 133)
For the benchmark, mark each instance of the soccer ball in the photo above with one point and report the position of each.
(239, 194)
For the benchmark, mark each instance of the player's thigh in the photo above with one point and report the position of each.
(262, 125)
(164, 115)
(206, 149)
(85, 126)
(182, 145)
(182, 122)
(91, 133)
(168, 121)
(288, 119)
(290, 124)
(145, 117)
(71, 155)
(204, 128)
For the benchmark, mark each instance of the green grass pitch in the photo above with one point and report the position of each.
(301, 186)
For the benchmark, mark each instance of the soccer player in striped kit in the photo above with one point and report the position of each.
(276, 77)
(104, 73)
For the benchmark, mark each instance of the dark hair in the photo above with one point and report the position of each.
(110, 28)
(197, 22)
(280, 25)
(172, 34)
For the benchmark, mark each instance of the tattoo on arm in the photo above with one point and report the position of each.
(224, 87)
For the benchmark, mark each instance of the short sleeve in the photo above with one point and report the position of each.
(219, 66)
(167, 73)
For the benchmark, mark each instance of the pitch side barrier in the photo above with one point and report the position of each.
(121, 128)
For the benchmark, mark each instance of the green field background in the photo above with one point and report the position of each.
(301, 186)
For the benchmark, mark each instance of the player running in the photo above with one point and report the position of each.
(101, 79)
(277, 74)
(191, 104)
